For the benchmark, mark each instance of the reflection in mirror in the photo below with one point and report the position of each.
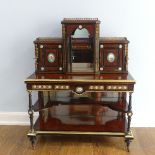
(81, 33)
(81, 51)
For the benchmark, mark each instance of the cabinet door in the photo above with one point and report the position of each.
(111, 57)
(50, 58)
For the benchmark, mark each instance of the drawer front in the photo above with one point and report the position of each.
(50, 58)
(81, 88)
(111, 58)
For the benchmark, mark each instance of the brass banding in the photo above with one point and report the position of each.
(79, 80)
(119, 134)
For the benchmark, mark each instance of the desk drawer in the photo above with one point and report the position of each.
(81, 88)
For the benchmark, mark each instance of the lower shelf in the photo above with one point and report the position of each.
(83, 118)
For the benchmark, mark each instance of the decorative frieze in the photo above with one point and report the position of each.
(41, 87)
(96, 87)
(117, 87)
(61, 87)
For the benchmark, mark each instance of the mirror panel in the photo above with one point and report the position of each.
(81, 52)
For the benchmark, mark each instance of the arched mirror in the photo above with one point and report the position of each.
(81, 33)
(81, 51)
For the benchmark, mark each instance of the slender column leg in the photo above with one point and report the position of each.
(129, 115)
(128, 141)
(31, 134)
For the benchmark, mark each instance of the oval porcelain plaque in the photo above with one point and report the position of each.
(51, 57)
(111, 57)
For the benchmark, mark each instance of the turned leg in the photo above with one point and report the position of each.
(129, 115)
(31, 134)
(127, 141)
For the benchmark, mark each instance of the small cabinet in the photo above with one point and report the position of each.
(50, 57)
(113, 56)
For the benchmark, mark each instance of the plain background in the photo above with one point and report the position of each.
(22, 21)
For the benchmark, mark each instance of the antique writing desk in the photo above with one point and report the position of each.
(83, 85)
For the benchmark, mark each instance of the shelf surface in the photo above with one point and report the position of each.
(113, 100)
(85, 118)
(81, 78)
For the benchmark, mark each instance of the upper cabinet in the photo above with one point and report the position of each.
(81, 50)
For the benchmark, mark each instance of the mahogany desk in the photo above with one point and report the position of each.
(81, 104)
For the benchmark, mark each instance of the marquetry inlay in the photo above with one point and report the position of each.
(119, 87)
(61, 87)
(41, 87)
(96, 87)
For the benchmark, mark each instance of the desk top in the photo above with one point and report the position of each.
(80, 78)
